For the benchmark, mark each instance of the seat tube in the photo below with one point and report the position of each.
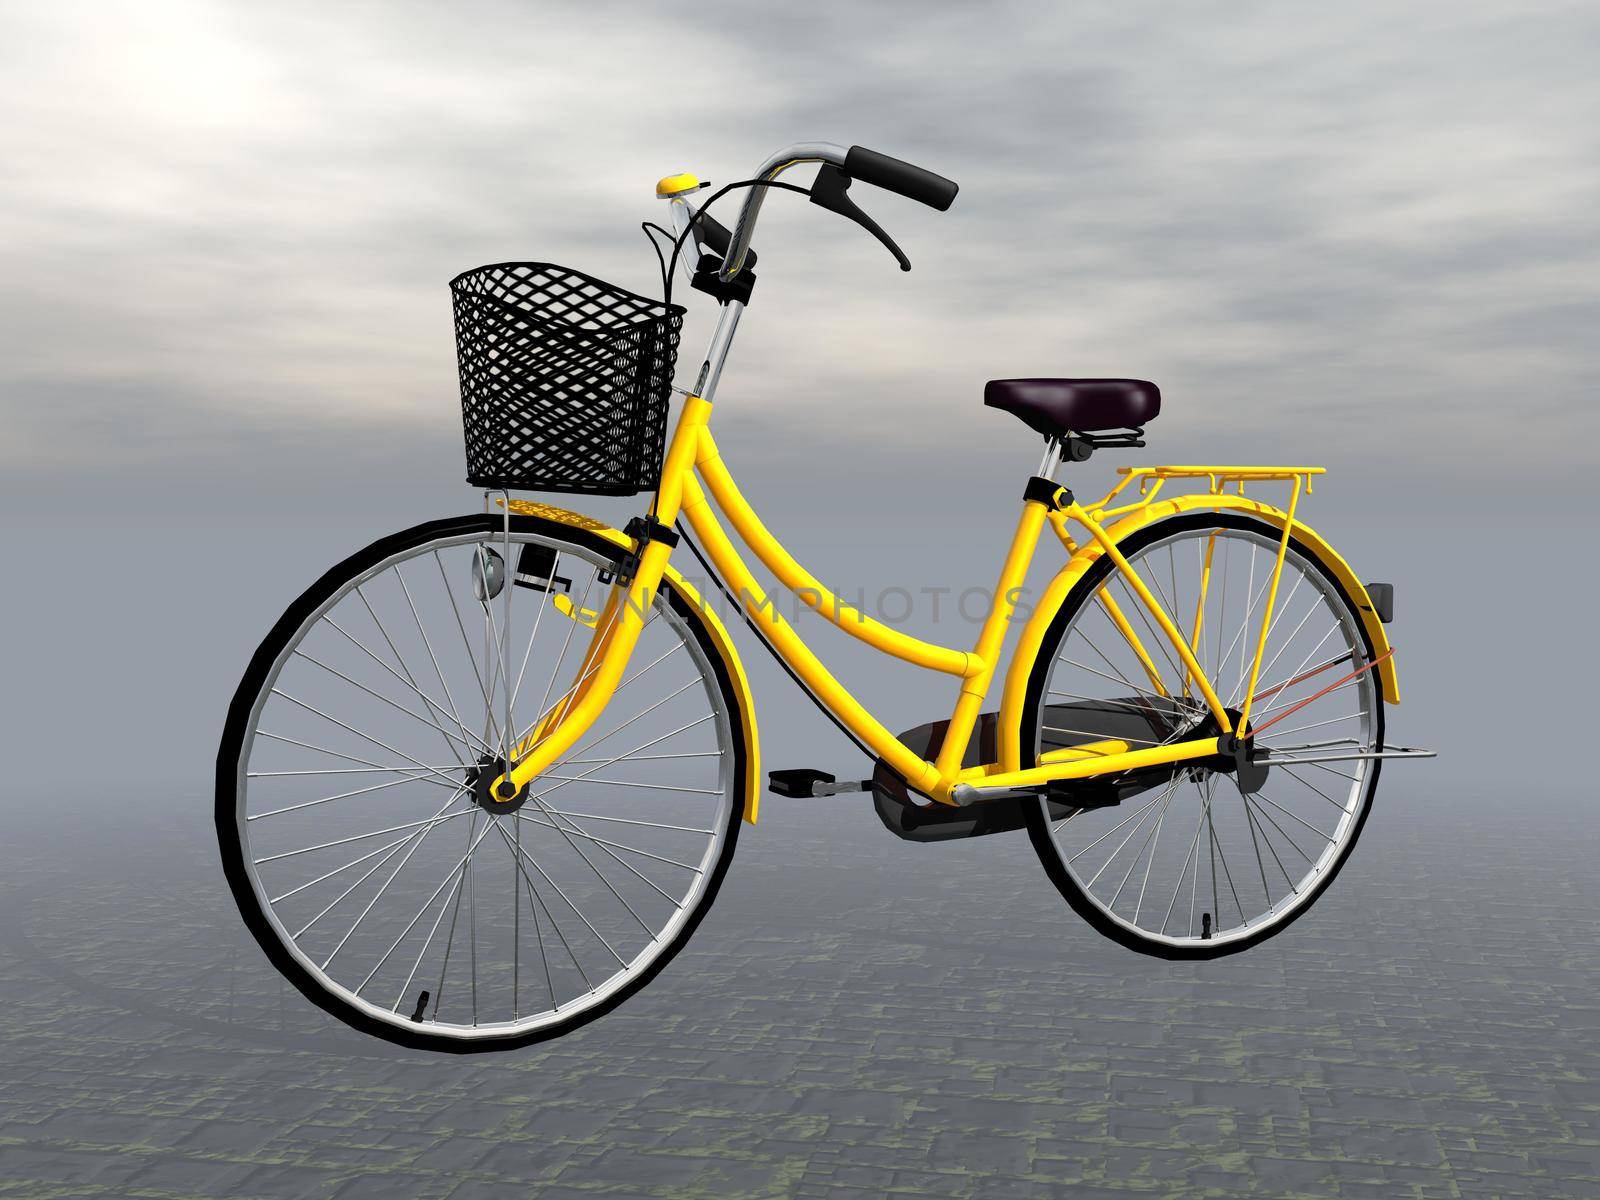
(990, 639)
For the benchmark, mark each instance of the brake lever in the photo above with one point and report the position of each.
(829, 191)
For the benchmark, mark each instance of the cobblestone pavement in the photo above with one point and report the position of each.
(858, 1017)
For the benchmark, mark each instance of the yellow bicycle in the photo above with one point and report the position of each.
(484, 777)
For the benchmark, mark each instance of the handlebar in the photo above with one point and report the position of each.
(857, 162)
(902, 178)
(789, 156)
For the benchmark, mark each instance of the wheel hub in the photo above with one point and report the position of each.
(480, 778)
(1237, 756)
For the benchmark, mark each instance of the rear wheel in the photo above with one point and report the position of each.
(1202, 861)
(352, 807)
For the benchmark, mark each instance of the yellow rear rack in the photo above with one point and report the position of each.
(1217, 479)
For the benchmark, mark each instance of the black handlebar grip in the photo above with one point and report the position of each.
(900, 177)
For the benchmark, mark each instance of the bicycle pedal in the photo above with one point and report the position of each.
(805, 782)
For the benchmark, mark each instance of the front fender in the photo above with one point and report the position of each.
(725, 648)
(1014, 697)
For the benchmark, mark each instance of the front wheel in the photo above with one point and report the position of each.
(352, 803)
(1199, 861)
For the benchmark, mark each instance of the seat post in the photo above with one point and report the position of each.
(1052, 457)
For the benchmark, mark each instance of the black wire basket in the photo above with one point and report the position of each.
(565, 379)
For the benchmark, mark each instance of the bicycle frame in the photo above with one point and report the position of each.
(693, 467)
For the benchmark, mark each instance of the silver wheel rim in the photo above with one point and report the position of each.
(1194, 862)
(368, 856)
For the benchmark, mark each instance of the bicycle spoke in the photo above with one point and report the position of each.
(421, 912)
(1354, 682)
(628, 821)
(436, 819)
(1211, 841)
(628, 783)
(349, 771)
(1109, 832)
(375, 695)
(1236, 696)
(363, 836)
(664, 700)
(261, 733)
(1332, 629)
(1305, 675)
(1250, 814)
(518, 853)
(1155, 842)
(1101, 655)
(572, 627)
(386, 885)
(1267, 817)
(1145, 845)
(578, 762)
(1311, 762)
(516, 918)
(432, 705)
(405, 987)
(1110, 858)
(584, 749)
(427, 643)
(1250, 611)
(1256, 846)
(538, 925)
(1194, 882)
(1128, 704)
(599, 874)
(1183, 870)
(1252, 598)
(1317, 604)
(450, 938)
(1228, 875)
(1156, 636)
(364, 736)
(1320, 724)
(614, 845)
(1295, 775)
(377, 787)
(1327, 837)
(1113, 678)
(595, 666)
(621, 862)
(337, 870)
(557, 889)
(383, 631)
(466, 643)
(555, 569)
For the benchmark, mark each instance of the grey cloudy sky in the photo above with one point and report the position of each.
(1361, 232)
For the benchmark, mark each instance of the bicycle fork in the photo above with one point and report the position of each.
(616, 630)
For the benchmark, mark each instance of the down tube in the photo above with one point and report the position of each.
(917, 771)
